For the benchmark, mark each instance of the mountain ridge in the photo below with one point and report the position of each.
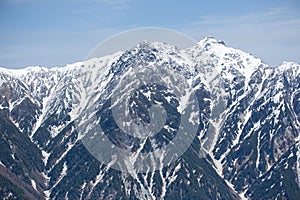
(247, 115)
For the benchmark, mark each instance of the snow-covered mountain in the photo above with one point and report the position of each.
(246, 145)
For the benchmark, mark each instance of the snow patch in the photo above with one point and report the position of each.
(33, 183)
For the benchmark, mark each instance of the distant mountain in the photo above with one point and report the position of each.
(249, 125)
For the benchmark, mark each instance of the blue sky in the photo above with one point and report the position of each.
(54, 33)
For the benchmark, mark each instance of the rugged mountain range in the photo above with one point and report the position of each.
(246, 145)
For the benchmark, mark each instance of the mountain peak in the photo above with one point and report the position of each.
(210, 40)
(24, 71)
(288, 64)
(155, 46)
(292, 67)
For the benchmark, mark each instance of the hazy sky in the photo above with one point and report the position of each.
(54, 33)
